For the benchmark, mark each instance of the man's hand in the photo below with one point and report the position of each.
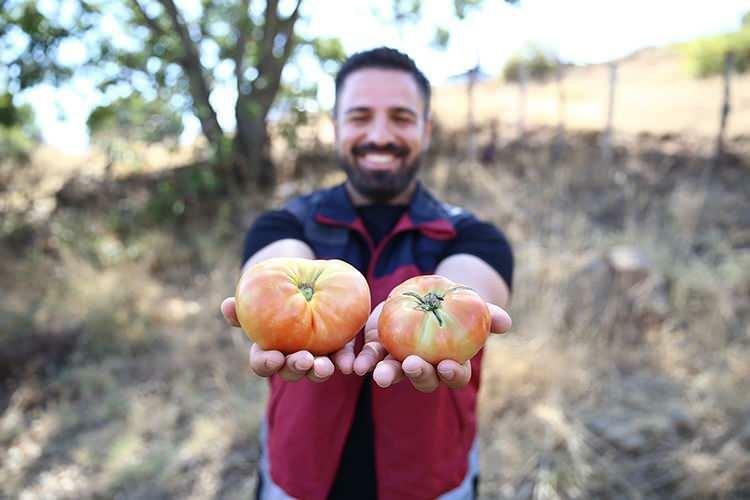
(423, 376)
(292, 367)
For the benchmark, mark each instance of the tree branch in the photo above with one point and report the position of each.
(151, 22)
(270, 66)
(191, 64)
(245, 25)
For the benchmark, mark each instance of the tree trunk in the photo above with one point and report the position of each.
(252, 147)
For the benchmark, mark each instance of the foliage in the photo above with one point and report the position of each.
(706, 56)
(126, 120)
(539, 64)
(135, 118)
(18, 132)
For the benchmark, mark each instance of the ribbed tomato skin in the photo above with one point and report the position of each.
(404, 329)
(273, 311)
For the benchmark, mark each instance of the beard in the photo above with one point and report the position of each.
(379, 186)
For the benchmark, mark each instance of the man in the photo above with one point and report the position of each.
(342, 426)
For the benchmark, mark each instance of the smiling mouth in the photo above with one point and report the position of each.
(379, 161)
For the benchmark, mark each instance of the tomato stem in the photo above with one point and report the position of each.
(431, 302)
(307, 291)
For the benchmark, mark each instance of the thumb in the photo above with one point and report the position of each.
(229, 310)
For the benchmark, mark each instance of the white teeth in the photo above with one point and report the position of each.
(379, 158)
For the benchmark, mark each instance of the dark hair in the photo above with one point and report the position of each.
(383, 58)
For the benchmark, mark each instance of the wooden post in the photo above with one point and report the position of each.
(523, 77)
(606, 143)
(560, 134)
(726, 104)
(472, 145)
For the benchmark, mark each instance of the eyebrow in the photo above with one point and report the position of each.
(397, 109)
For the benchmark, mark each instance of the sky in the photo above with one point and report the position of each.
(579, 31)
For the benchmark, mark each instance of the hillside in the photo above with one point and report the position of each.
(654, 94)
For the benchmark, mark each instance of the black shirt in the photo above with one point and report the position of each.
(355, 477)
(474, 237)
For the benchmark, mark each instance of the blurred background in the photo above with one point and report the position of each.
(609, 140)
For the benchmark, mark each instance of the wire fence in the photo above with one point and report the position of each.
(606, 143)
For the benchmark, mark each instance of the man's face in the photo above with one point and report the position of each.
(381, 131)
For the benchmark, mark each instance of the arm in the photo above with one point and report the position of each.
(288, 247)
(477, 274)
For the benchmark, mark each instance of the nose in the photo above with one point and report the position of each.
(380, 132)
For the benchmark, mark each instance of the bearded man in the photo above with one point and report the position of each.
(349, 425)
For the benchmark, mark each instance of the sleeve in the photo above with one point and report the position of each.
(269, 227)
(487, 242)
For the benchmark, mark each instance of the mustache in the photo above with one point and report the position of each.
(371, 147)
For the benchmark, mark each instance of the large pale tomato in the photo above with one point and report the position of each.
(434, 318)
(291, 304)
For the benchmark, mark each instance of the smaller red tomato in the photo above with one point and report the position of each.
(434, 318)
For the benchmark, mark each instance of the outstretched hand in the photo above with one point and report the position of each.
(424, 376)
(290, 367)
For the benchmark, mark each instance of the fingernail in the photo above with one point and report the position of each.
(414, 373)
(446, 373)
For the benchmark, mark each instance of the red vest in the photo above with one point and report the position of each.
(422, 440)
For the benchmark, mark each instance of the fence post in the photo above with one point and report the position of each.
(472, 145)
(560, 133)
(606, 143)
(523, 77)
(726, 104)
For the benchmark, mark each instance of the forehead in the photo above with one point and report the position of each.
(380, 88)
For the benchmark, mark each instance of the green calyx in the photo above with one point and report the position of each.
(431, 302)
(307, 291)
(307, 287)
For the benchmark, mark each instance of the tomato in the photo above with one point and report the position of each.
(291, 304)
(434, 318)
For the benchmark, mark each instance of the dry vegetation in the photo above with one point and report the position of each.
(625, 376)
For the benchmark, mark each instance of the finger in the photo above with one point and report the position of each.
(344, 358)
(297, 365)
(388, 372)
(229, 310)
(371, 327)
(322, 369)
(501, 321)
(421, 373)
(265, 363)
(453, 374)
(370, 355)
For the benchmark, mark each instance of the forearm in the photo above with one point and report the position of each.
(473, 272)
(282, 248)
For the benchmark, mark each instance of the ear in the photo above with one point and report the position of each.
(335, 124)
(427, 134)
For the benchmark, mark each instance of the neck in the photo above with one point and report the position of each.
(403, 198)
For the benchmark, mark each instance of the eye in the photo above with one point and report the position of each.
(403, 119)
(358, 118)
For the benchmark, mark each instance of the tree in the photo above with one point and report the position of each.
(18, 133)
(116, 126)
(171, 54)
(176, 54)
(539, 64)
